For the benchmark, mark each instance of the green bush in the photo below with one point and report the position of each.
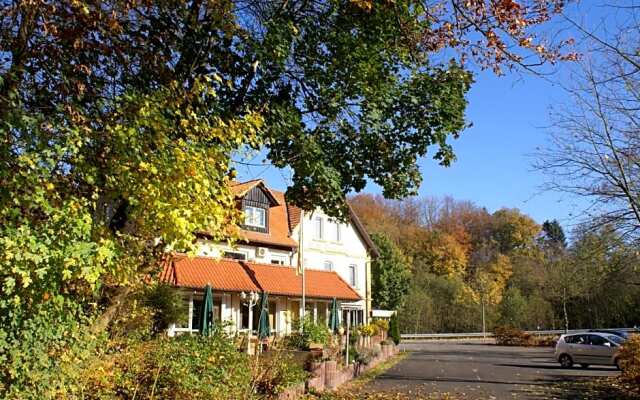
(188, 366)
(42, 354)
(311, 333)
(394, 329)
(629, 360)
(167, 304)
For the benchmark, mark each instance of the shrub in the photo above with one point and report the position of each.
(42, 355)
(394, 329)
(273, 372)
(187, 366)
(311, 333)
(368, 330)
(629, 359)
(167, 304)
(365, 356)
(510, 336)
(382, 324)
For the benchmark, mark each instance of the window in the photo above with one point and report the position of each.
(278, 259)
(255, 216)
(328, 266)
(197, 309)
(597, 340)
(319, 223)
(272, 315)
(352, 275)
(322, 313)
(338, 232)
(576, 339)
(235, 255)
(244, 313)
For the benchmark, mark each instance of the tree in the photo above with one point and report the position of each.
(390, 273)
(595, 136)
(513, 308)
(554, 234)
(512, 230)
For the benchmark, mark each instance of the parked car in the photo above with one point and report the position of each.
(622, 334)
(593, 348)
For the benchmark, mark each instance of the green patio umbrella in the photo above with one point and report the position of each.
(334, 323)
(206, 313)
(264, 330)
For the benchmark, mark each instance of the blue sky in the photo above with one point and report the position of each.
(494, 166)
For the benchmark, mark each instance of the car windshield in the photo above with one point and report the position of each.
(615, 339)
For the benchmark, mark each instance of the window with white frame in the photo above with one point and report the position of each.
(338, 232)
(353, 278)
(278, 259)
(328, 266)
(255, 216)
(235, 255)
(319, 227)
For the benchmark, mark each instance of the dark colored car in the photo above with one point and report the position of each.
(622, 334)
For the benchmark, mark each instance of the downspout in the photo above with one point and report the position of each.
(301, 268)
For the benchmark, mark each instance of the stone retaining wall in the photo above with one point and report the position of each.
(327, 375)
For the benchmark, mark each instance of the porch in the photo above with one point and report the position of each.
(229, 278)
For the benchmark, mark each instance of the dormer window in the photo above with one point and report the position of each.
(255, 217)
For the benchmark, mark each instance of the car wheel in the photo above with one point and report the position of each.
(566, 361)
(584, 365)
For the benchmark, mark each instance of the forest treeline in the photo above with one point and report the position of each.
(456, 259)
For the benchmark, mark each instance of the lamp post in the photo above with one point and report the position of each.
(250, 299)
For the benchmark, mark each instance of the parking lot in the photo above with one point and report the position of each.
(484, 371)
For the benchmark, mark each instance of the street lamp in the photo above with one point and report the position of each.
(250, 299)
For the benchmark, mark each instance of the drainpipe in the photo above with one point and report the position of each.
(301, 267)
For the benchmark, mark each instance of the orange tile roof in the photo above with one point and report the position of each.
(295, 213)
(236, 276)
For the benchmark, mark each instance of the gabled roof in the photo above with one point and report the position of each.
(240, 189)
(237, 276)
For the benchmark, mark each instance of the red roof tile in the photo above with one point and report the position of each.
(237, 276)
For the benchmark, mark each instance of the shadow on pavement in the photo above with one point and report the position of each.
(573, 388)
(399, 378)
(557, 367)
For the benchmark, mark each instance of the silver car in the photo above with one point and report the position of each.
(588, 349)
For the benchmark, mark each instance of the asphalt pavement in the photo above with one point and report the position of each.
(484, 371)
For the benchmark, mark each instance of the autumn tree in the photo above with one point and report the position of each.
(121, 123)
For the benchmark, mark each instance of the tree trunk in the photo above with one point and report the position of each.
(115, 302)
(564, 309)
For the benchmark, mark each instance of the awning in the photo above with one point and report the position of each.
(238, 276)
(382, 313)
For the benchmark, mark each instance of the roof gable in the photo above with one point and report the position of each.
(255, 189)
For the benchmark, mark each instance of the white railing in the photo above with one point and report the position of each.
(481, 335)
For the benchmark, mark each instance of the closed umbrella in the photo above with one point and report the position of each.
(264, 330)
(206, 313)
(334, 323)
